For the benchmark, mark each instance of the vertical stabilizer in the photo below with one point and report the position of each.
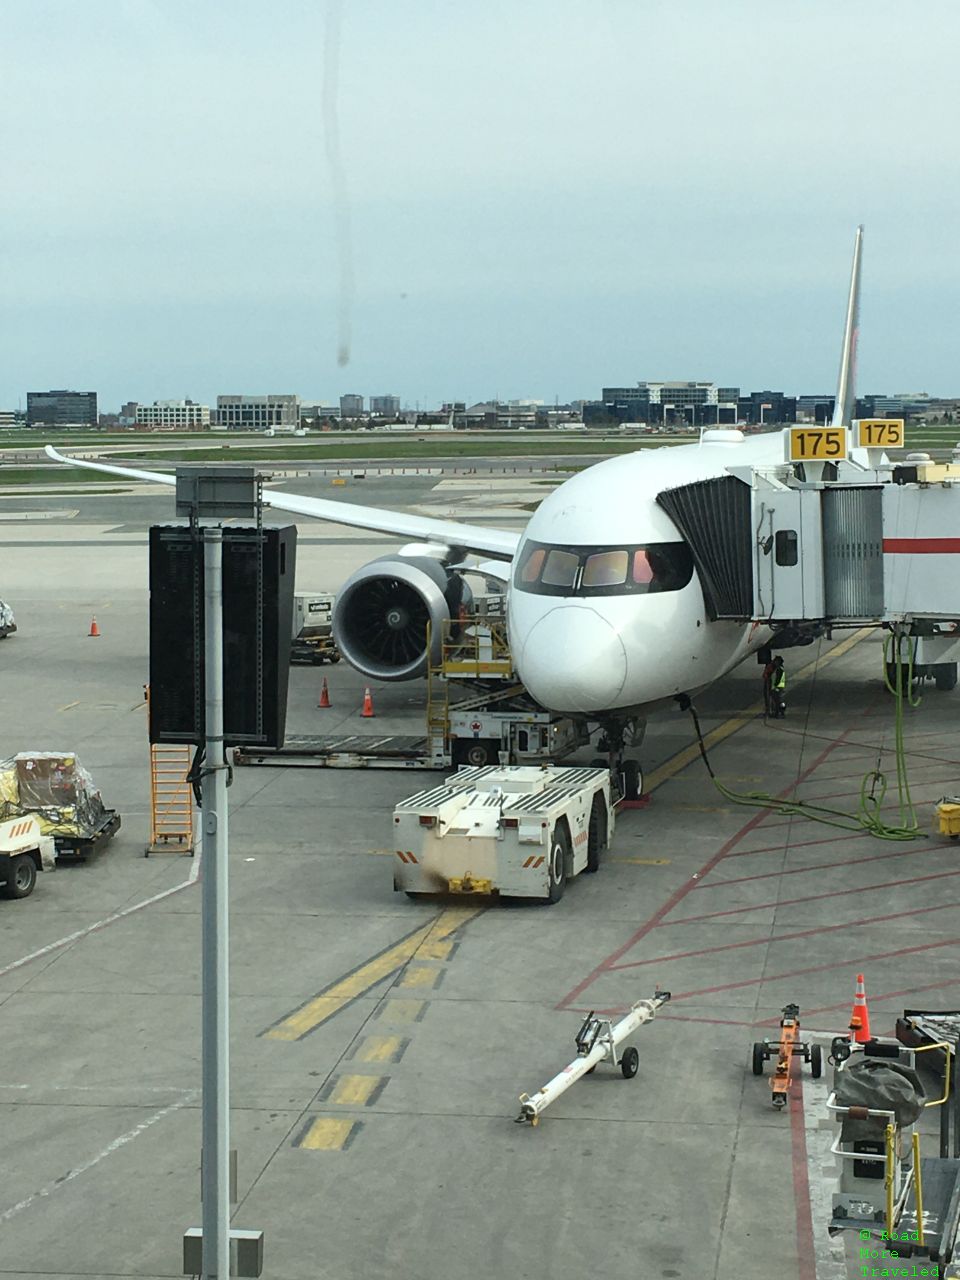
(846, 384)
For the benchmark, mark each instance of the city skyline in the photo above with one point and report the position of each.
(539, 201)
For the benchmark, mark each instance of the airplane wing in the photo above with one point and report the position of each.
(473, 538)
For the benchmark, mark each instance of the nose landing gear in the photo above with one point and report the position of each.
(626, 773)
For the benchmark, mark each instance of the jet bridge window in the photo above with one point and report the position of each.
(604, 571)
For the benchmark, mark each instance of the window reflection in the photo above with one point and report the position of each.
(560, 569)
(586, 571)
(605, 569)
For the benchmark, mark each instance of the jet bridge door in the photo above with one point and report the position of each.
(787, 553)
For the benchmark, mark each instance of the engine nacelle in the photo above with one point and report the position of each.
(381, 615)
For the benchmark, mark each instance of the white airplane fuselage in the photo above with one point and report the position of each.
(622, 649)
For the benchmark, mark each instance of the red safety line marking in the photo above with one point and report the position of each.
(921, 546)
(801, 1185)
(818, 866)
(401, 857)
(412, 857)
(815, 897)
(679, 894)
(770, 939)
(798, 844)
(817, 968)
(885, 995)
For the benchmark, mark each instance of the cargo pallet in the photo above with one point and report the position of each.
(79, 848)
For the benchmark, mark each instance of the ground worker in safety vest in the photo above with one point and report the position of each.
(775, 689)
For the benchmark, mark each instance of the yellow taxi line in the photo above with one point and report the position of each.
(332, 999)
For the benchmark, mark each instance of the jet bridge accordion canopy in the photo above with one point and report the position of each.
(714, 518)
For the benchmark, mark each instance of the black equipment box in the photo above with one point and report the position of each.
(258, 578)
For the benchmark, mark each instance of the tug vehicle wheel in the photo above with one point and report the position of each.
(559, 859)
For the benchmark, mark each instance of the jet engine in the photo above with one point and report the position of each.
(381, 615)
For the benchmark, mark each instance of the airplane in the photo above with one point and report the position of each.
(611, 606)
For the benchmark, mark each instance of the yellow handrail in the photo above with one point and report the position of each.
(918, 1187)
(888, 1168)
(948, 1048)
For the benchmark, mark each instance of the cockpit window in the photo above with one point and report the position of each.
(560, 569)
(533, 564)
(603, 571)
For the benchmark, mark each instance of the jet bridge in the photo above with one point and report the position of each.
(838, 539)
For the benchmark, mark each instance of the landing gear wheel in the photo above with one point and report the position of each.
(759, 1058)
(21, 877)
(559, 859)
(597, 832)
(631, 779)
(629, 1062)
(816, 1061)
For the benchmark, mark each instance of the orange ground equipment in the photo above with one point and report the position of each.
(787, 1048)
(94, 628)
(367, 711)
(324, 694)
(860, 1016)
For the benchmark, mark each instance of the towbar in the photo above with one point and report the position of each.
(597, 1041)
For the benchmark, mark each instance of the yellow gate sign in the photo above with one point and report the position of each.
(818, 444)
(879, 433)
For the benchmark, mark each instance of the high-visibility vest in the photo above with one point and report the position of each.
(779, 679)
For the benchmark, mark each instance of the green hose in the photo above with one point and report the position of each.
(873, 786)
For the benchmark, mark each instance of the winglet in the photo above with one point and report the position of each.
(846, 384)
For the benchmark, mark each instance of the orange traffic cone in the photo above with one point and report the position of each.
(94, 629)
(860, 1017)
(367, 704)
(324, 694)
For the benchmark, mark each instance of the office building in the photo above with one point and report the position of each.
(691, 404)
(177, 415)
(760, 408)
(257, 413)
(383, 406)
(61, 408)
(512, 415)
(351, 406)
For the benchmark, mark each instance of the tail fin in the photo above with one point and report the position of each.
(846, 392)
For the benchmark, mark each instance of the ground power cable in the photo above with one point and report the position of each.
(873, 786)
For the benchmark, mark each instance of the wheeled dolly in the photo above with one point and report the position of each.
(786, 1048)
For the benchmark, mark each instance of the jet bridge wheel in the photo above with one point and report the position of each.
(945, 675)
(560, 856)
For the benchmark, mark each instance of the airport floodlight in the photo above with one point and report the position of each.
(217, 493)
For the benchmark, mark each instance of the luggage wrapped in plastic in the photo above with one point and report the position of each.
(56, 788)
(879, 1084)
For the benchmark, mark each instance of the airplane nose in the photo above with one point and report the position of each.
(573, 660)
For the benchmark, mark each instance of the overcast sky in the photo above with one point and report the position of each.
(542, 197)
